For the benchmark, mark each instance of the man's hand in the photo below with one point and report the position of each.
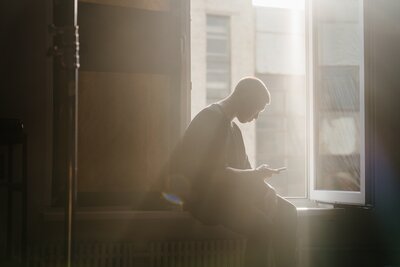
(266, 172)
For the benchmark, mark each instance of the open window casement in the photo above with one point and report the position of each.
(336, 95)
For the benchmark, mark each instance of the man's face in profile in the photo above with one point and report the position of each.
(250, 113)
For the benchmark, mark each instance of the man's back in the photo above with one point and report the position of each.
(210, 144)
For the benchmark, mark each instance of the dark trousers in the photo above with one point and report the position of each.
(265, 231)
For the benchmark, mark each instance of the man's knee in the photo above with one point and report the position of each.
(286, 209)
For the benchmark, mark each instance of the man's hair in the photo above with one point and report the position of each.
(252, 89)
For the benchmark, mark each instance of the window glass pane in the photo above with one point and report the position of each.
(337, 95)
(218, 65)
(217, 46)
(339, 88)
(216, 23)
(339, 153)
(217, 77)
(278, 103)
(218, 58)
(280, 129)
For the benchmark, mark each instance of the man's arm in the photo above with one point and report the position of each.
(261, 172)
(243, 177)
(252, 182)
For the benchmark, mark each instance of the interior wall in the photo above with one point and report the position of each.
(128, 78)
(123, 126)
(136, 131)
(26, 91)
(385, 56)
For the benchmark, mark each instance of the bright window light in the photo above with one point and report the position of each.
(291, 4)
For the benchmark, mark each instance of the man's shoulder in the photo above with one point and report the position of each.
(210, 119)
(210, 113)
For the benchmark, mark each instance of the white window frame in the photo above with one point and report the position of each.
(330, 196)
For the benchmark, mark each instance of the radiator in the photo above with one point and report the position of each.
(215, 253)
(205, 253)
(110, 254)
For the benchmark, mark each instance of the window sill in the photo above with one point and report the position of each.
(306, 208)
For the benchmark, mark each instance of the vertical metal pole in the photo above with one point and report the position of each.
(66, 50)
(69, 84)
(10, 214)
(24, 191)
(72, 64)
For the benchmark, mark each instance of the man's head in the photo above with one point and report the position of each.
(250, 97)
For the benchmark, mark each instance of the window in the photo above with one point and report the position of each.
(337, 79)
(309, 53)
(280, 63)
(218, 58)
(315, 123)
(280, 138)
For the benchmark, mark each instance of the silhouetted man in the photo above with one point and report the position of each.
(210, 171)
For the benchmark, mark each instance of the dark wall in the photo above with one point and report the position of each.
(25, 89)
(385, 60)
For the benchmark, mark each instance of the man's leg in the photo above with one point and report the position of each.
(285, 234)
(256, 226)
(272, 222)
